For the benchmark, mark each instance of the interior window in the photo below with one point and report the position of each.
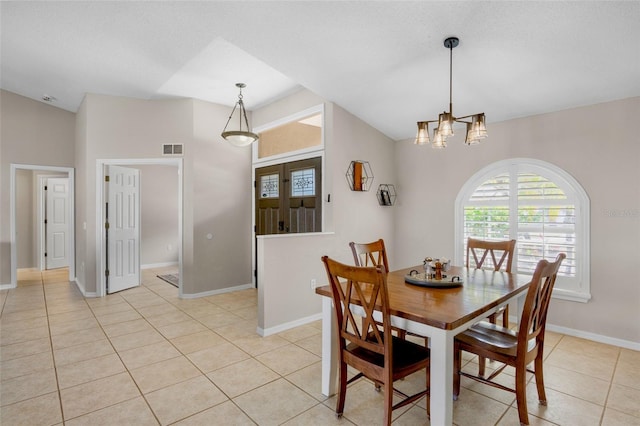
(296, 135)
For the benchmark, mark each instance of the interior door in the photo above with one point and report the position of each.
(288, 197)
(123, 229)
(57, 223)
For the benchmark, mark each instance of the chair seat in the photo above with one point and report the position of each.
(491, 337)
(406, 355)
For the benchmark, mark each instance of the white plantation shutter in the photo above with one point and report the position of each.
(546, 224)
(540, 206)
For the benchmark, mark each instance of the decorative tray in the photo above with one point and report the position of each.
(427, 281)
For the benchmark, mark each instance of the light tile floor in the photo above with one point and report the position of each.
(144, 356)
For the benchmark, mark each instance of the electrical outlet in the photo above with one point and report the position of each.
(313, 283)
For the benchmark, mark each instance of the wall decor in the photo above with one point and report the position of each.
(386, 194)
(359, 175)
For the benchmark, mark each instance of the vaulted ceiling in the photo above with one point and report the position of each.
(384, 61)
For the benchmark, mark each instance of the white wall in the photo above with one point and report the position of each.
(597, 145)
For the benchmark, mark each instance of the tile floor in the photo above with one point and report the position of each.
(144, 356)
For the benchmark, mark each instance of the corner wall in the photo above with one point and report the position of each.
(288, 263)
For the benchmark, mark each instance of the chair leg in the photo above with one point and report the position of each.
(481, 364)
(342, 391)
(542, 396)
(521, 394)
(505, 317)
(388, 401)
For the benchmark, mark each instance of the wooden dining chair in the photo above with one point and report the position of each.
(516, 349)
(373, 254)
(480, 251)
(370, 254)
(369, 346)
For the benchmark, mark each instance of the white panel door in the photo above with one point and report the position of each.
(123, 233)
(57, 223)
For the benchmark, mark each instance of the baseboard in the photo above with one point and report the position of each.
(218, 291)
(627, 344)
(6, 287)
(83, 290)
(264, 332)
(158, 265)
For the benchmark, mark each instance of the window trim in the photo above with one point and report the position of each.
(580, 292)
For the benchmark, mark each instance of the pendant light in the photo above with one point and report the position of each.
(475, 128)
(239, 137)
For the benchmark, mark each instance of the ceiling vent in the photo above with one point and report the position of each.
(172, 149)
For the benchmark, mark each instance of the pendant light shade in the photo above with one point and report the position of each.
(439, 141)
(422, 138)
(240, 135)
(475, 129)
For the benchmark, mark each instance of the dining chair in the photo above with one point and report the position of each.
(370, 254)
(368, 346)
(373, 254)
(479, 250)
(516, 349)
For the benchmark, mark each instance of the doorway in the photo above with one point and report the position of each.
(18, 196)
(52, 222)
(102, 256)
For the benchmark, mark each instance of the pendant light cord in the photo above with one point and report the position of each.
(451, 79)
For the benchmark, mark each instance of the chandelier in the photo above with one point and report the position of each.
(476, 129)
(239, 137)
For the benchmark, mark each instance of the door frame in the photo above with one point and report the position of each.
(70, 171)
(101, 264)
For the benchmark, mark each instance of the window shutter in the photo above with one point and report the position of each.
(546, 224)
(541, 206)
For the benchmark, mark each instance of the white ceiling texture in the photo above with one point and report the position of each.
(384, 61)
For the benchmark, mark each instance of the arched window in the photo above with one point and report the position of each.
(540, 206)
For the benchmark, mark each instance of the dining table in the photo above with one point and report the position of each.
(436, 310)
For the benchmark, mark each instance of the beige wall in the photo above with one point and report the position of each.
(158, 214)
(287, 264)
(32, 133)
(597, 145)
(222, 191)
(25, 213)
(121, 128)
(215, 180)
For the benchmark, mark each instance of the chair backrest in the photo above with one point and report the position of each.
(370, 254)
(534, 313)
(479, 249)
(367, 287)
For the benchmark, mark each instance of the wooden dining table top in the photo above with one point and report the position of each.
(447, 308)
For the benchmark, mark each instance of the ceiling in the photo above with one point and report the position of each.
(384, 61)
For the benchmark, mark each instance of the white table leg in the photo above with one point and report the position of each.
(441, 378)
(329, 349)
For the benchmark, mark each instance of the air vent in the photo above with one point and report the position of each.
(172, 149)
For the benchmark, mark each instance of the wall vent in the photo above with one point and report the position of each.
(172, 149)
